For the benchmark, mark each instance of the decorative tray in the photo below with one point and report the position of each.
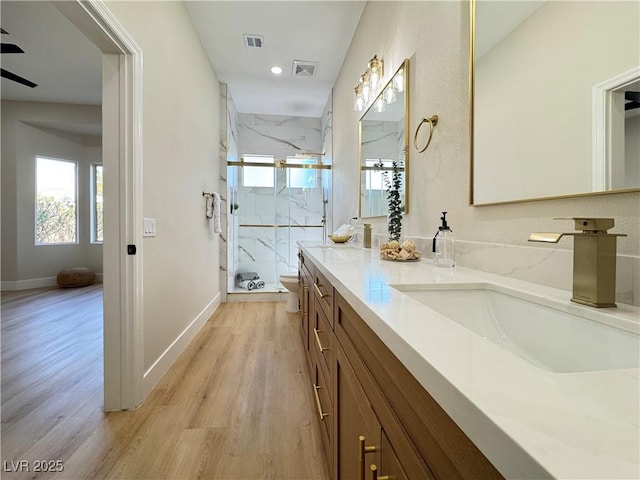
(339, 239)
(400, 259)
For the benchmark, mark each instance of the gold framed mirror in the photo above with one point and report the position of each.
(548, 85)
(383, 153)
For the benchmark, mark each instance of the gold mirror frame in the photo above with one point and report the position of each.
(472, 35)
(363, 168)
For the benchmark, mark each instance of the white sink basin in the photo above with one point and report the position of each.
(547, 337)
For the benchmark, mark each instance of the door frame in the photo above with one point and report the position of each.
(608, 129)
(122, 160)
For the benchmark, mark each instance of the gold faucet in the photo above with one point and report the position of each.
(594, 260)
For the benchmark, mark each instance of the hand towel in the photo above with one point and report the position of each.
(209, 206)
(259, 284)
(217, 227)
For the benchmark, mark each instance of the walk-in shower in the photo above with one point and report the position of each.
(273, 203)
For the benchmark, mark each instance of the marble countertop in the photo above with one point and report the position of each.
(529, 422)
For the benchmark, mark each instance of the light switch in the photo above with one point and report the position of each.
(149, 227)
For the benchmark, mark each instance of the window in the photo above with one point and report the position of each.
(56, 201)
(374, 179)
(258, 176)
(301, 177)
(96, 204)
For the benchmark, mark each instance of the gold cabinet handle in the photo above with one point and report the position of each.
(322, 349)
(374, 473)
(322, 295)
(362, 451)
(305, 312)
(318, 404)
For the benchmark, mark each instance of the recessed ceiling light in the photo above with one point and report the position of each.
(276, 70)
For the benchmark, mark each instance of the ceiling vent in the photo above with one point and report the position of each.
(304, 69)
(253, 41)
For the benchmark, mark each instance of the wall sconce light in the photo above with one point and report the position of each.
(389, 95)
(358, 98)
(380, 105)
(366, 89)
(376, 72)
(398, 81)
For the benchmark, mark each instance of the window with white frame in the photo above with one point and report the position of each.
(301, 177)
(374, 179)
(258, 176)
(56, 210)
(97, 208)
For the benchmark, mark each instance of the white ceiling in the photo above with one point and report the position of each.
(67, 67)
(64, 64)
(314, 31)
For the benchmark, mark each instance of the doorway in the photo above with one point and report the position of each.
(121, 156)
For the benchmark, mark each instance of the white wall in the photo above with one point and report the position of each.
(435, 36)
(24, 264)
(181, 135)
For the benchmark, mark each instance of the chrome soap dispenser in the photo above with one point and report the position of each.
(444, 245)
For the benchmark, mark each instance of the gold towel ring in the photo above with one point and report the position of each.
(432, 121)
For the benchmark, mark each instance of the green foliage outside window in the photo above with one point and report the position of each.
(55, 220)
(98, 205)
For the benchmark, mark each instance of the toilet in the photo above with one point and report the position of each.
(290, 282)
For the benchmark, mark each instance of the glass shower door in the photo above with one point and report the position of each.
(276, 205)
(256, 219)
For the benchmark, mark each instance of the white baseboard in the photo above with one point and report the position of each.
(257, 297)
(28, 284)
(153, 375)
(14, 285)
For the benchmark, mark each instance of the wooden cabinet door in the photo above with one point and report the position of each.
(355, 418)
(389, 464)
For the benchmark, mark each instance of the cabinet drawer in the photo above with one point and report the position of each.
(324, 409)
(322, 338)
(323, 292)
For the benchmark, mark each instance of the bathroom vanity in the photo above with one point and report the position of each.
(404, 389)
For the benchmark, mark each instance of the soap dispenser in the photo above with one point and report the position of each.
(366, 242)
(444, 245)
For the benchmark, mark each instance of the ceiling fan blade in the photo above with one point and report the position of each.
(631, 95)
(634, 100)
(16, 78)
(10, 48)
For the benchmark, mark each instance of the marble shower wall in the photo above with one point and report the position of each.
(228, 186)
(273, 251)
(278, 135)
(222, 186)
(327, 147)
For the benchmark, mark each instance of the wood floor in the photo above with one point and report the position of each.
(237, 404)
